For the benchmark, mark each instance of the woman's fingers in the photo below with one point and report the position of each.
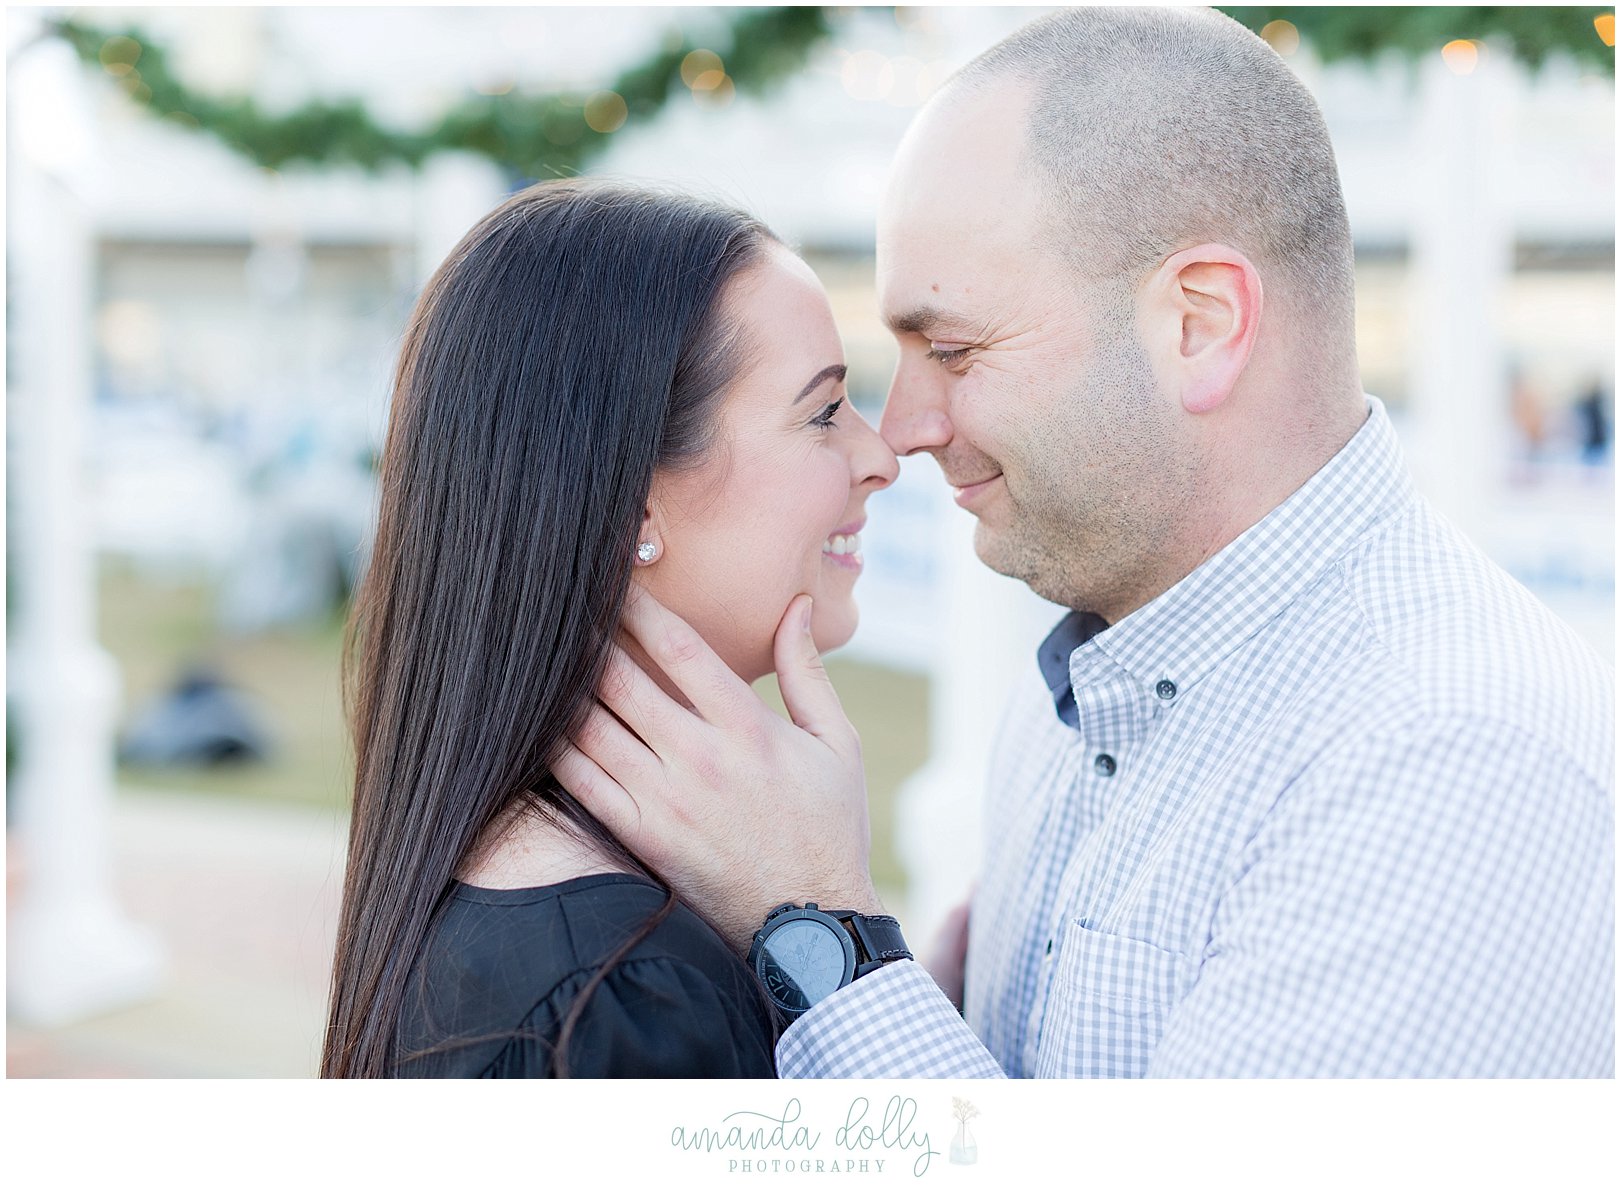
(716, 693)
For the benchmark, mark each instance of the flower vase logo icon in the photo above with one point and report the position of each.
(963, 1148)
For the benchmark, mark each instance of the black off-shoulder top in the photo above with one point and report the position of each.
(503, 967)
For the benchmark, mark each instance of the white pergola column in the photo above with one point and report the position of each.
(71, 952)
(454, 191)
(1462, 252)
(989, 629)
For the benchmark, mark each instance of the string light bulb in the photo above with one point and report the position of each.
(1282, 36)
(1461, 56)
(606, 112)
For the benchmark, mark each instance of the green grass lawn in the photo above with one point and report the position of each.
(155, 628)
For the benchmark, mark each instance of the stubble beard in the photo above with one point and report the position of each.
(1099, 502)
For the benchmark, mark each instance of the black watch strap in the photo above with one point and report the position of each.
(878, 940)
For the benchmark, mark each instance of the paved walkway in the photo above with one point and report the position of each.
(244, 896)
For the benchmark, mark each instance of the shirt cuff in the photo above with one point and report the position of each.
(893, 1023)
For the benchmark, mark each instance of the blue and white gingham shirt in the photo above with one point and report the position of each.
(1340, 803)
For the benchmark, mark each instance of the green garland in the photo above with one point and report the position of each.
(1532, 35)
(527, 135)
(557, 134)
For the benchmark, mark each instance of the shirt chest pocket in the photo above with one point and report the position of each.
(1108, 1005)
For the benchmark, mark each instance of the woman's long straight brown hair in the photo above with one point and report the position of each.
(570, 345)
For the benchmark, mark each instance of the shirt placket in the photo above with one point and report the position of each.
(1113, 713)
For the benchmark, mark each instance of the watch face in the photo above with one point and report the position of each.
(802, 963)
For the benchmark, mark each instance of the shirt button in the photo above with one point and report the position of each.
(1105, 765)
(1166, 689)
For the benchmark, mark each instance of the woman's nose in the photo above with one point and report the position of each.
(872, 461)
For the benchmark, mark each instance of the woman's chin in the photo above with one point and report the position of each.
(831, 627)
(762, 662)
(831, 635)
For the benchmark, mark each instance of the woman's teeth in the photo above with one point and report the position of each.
(839, 544)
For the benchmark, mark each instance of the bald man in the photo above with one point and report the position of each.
(1303, 785)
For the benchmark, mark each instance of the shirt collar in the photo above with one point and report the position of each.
(1174, 641)
(1074, 630)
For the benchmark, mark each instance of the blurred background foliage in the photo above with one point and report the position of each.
(1531, 34)
(535, 135)
(529, 135)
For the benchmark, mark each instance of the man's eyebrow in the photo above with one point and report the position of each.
(835, 370)
(930, 321)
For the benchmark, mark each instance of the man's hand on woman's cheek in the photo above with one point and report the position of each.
(737, 808)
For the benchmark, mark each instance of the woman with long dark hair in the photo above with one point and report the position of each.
(601, 385)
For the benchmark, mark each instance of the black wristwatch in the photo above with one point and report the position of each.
(803, 955)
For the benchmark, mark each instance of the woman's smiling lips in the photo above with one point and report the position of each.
(843, 546)
(967, 493)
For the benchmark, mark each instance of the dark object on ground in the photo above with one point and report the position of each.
(201, 721)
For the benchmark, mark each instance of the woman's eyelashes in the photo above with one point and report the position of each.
(824, 419)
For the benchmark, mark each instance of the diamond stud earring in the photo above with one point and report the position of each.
(646, 551)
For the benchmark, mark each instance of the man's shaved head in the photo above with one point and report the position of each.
(1115, 258)
(1154, 129)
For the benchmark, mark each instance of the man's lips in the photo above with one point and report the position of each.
(967, 493)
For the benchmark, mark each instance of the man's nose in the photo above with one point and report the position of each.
(915, 412)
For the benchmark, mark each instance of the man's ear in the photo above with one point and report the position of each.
(1202, 310)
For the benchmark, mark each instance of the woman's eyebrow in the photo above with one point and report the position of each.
(835, 370)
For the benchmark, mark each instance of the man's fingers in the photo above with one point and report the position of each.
(954, 929)
(715, 692)
(623, 758)
(639, 700)
(603, 796)
(947, 957)
(806, 690)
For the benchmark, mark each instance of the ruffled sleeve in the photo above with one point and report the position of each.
(653, 1017)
